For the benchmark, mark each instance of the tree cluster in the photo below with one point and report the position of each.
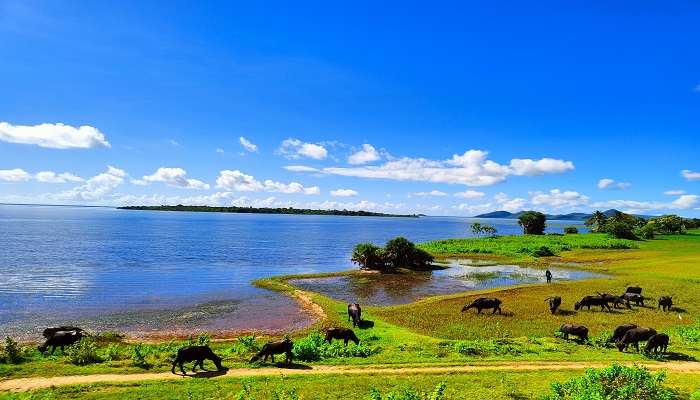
(479, 228)
(533, 222)
(397, 253)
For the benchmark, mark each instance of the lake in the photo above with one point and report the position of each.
(148, 272)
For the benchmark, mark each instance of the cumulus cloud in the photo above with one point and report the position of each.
(55, 136)
(367, 154)
(504, 202)
(14, 175)
(343, 193)
(97, 187)
(176, 177)
(290, 188)
(556, 198)
(300, 168)
(690, 175)
(471, 168)
(683, 202)
(674, 192)
(53, 177)
(470, 194)
(435, 193)
(295, 149)
(240, 182)
(607, 183)
(248, 145)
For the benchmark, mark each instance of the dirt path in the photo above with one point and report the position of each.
(27, 384)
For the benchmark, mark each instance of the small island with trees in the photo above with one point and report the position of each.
(266, 210)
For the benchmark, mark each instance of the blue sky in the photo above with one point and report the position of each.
(453, 109)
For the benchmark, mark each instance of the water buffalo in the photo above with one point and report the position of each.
(554, 303)
(355, 313)
(634, 289)
(271, 348)
(48, 332)
(589, 301)
(61, 339)
(548, 276)
(484, 303)
(656, 343)
(344, 334)
(635, 298)
(197, 354)
(634, 336)
(611, 298)
(579, 331)
(666, 302)
(620, 332)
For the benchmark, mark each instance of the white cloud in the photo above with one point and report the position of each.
(435, 193)
(607, 183)
(556, 198)
(240, 182)
(690, 175)
(471, 168)
(683, 202)
(295, 149)
(343, 193)
(470, 194)
(248, 145)
(508, 204)
(290, 188)
(55, 136)
(674, 192)
(14, 175)
(300, 168)
(95, 188)
(367, 154)
(219, 150)
(176, 177)
(52, 177)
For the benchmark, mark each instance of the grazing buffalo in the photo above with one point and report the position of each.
(589, 301)
(611, 298)
(484, 303)
(355, 313)
(666, 302)
(344, 334)
(579, 331)
(635, 298)
(554, 303)
(271, 348)
(634, 336)
(656, 343)
(197, 354)
(48, 332)
(634, 289)
(61, 339)
(620, 332)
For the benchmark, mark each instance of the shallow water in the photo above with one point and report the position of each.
(145, 271)
(459, 276)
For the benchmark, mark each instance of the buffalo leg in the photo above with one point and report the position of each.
(346, 342)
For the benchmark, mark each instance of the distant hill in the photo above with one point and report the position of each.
(565, 217)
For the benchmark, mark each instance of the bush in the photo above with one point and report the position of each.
(533, 222)
(113, 352)
(314, 348)
(411, 394)
(616, 382)
(488, 347)
(84, 352)
(571, 230)
(11, 352)
(368, 256)
(689, 333)
(309, 348)
(402, 253)
(543, 251)
(138, 355)
(620, 230)
(648, 231)
(248, 343)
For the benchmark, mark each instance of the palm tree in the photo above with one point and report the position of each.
(597, 220)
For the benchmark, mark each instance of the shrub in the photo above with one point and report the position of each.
(400, 252)
(543, 251)
(84, 352)
(571, 230)
(411, 394)
(533, 222)
(11, 352)
(314, 348)
(109, 337)
(616, 382)
(309, 348)
(138, 355)
(487, 347)
(248, 343)
(368, 256)
(113, 352)
(620, 230)
(689, 333)
(648, 231)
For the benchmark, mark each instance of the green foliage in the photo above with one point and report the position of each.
(616, 382)
(264, 210)
(669, 224)
(84, 352)
(689, 333)
(108, 337)
(410, 394)
(314, 347)
(114, 352)
(533, 222)
(476, 228)
(648, 231)
(309, 347)
(11, 352)
(620, 230)
(543, 251)
(138, 355)
(488, 347)
(248, 343)
(398, 253)
(600, 341)
(369, 256)
(596, 221)
(571, 230)
(202, 340)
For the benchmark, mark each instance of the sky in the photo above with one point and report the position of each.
(446, 108)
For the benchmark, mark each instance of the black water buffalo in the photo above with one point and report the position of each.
(634, 336)
(197, 354)
(484, 303)
(271, 348)
(620, 331)
(666, 302)
(656, 343)
(579, 331)
(589, 301)
(635, 298)
(48, 332)
(634, 289)
(355, 314)
(611, 298)
(554, 303)
(61, 339)
(344, 334)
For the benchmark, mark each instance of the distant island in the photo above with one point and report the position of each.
(266, 210)
(561, 217)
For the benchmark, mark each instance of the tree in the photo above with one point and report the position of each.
(489, 230)
(533, 222)
(571, 230)
(477, 229)
(669, 224)
(620, 229)
(369, 256)
(401, 253)
(596, 221)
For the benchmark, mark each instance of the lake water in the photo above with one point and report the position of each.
(143, 272)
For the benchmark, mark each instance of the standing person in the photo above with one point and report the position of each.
(549, 276)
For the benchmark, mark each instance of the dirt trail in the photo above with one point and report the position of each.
(27, 384)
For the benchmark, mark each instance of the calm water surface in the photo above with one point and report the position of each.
(144, 272)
